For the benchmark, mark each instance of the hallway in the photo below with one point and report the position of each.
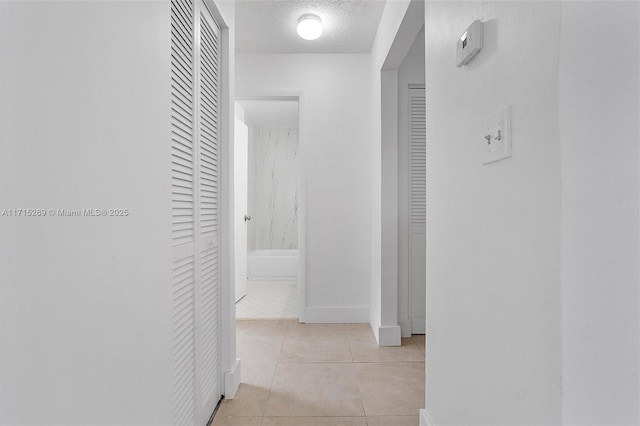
(119, 206)
(323, 374)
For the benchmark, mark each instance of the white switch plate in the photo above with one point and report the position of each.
(496, 137)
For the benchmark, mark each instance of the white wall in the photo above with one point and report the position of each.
(384, 291)
(85, 302)
(411, 71)
(85, 329)
(493, 232)
(599, 112)
(335, 161)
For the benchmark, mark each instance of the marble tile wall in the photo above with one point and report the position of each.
(251, 185)
(274, 188)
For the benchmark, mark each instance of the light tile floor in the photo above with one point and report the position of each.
(323, 375)
(269, 299)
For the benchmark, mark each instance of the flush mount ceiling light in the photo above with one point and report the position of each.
(309, 27)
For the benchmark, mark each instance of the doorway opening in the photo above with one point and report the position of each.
(267, 186)
(412, 190)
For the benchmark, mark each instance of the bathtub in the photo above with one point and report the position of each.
(273, 265)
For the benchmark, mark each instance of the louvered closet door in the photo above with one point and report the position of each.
(183, 211)
(417, 208)
(208, 199)
(195, 123)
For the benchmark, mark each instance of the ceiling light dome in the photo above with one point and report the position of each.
(309, 27)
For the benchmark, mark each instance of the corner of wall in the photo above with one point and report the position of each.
(375, 324)
(405, 327)
(426, 419)
(389, 335)
(385, 335)
(232, 380)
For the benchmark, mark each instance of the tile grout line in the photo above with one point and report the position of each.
(284, 337)
(353, 359)
(355, 371)
(424, 351)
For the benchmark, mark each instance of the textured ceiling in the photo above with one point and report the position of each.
(271, 113)
(269, 26)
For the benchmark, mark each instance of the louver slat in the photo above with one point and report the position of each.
(183, 211)
(417, 156)
(182, 112)
(184, 341)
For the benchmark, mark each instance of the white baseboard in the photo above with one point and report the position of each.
(385, 335)
(405, 327)
(389, 336)
(272, 278)
(336, 315)
(232, 380)
(419, 325)
(424, 421)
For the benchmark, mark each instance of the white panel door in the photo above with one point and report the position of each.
(417, 209)
(240, 186)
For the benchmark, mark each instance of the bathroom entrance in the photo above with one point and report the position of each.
(267, 208)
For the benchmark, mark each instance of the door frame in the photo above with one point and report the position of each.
(230, 365)
(302, 202)
(389, 320)
(237, 213)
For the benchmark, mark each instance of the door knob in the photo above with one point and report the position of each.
(246, 218)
